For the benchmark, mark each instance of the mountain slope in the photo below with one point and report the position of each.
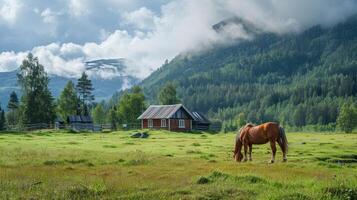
(108, 76)
(297, 79)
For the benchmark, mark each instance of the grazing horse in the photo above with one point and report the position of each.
(261, 134)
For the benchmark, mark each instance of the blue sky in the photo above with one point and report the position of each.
(65, 33)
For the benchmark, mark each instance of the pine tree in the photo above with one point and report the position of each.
(84, 88)
(13, 101)
(2, 119)
(37, 102)
(167, 95)
(68, 101)
(13, 105)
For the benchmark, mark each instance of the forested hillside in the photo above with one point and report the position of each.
(296, 79)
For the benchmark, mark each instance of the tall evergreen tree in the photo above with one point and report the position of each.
(167, 95)
(2, 119)
(13, 105)
(68, 101)
(13, 101)
(37, 103)
(84, 88)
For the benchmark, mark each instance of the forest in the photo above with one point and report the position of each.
(298, 79)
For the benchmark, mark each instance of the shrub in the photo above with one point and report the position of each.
(203, 180)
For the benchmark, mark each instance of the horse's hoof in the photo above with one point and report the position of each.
(250, 160)
(245, 160)
(271, 161)
(285, 160)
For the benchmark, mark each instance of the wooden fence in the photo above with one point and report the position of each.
(79, 127)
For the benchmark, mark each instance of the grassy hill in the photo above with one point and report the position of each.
(297, 79)
(51, 165)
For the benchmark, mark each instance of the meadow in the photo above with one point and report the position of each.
(60, 165)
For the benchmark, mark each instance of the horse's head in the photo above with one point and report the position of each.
(237, 154)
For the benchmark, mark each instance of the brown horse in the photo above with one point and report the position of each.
(261, 134)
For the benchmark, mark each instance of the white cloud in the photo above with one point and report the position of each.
(146, 38)
(79, 7)
(49, 16)
(142, 18)
(9, 10)
(10, 59)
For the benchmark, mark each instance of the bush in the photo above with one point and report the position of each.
(203, 180)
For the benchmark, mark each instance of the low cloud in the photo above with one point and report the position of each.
(146, 38)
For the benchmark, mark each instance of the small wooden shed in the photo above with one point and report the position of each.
(80, 122)
(169, 117)
(200, 122)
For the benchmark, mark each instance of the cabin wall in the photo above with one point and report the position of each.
(174, 125)
(156, 124)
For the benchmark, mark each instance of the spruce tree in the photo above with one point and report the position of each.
(84, 88)
(2, 119)
(13, 101)
(13, 105)
(37, 102)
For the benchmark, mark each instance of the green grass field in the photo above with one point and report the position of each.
(50, 165)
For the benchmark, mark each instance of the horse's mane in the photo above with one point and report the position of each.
(245, 126)
(249, 125)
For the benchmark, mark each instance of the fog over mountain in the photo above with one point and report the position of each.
(67, 34)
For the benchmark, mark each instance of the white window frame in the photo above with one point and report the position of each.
(150, 123)
(181, 123)
(163, 123)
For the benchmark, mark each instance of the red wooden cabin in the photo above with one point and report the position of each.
(170, 117)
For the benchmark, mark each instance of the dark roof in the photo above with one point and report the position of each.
(200, 118)
(162, 111)
(59, 119)
(79, 119)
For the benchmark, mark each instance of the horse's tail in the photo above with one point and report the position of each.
(283, 139)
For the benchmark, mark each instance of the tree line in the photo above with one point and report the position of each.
(37, 105)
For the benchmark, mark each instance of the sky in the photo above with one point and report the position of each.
(66, 33)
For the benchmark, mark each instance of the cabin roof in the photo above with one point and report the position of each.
(197, 116)
(79, 119)
(163, 111)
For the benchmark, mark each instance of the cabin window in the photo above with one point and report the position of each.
(150, 123)
(181, 123)
(163, 123)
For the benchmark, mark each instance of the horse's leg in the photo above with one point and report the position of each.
(250, 152)
(245, 152)
(283, 150)
(273, 151)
